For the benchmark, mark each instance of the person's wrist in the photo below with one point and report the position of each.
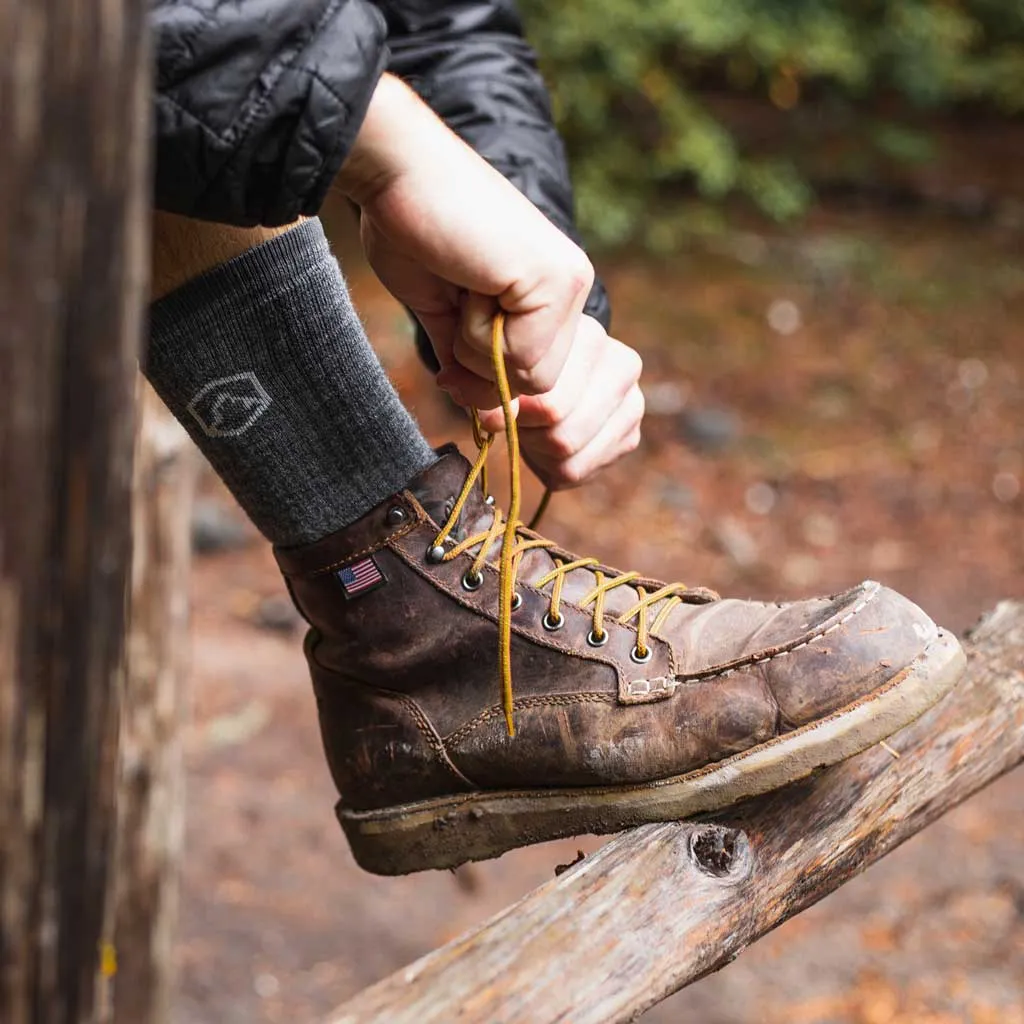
(377, 157)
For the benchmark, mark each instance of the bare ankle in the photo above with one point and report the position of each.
(184, 248)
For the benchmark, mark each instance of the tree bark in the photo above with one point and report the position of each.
(74, 105)
(661, 906)
(151, 798)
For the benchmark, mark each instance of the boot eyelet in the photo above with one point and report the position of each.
(395, 516)
(435, 554)
(472, 580)
(552, 623)
(597, 639)
(517, 600)
(641, 659)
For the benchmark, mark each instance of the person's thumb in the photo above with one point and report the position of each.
(493, 420)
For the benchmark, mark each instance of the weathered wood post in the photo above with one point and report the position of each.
(74, 104)
(151, 798)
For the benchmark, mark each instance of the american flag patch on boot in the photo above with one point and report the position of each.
(360, 577)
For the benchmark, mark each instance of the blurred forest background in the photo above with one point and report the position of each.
(775, 101)
(810, 216)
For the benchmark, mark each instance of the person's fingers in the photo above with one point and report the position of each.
(540, 326)
(472, 347)
(619, 434)
(434, 302)
(540, 333)
(467, 389)
(574, 383)
(441, 329)
(477, 320)
(493, 420)
(597, 390)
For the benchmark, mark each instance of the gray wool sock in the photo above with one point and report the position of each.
(266, 364)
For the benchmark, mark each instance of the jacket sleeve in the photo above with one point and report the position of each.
(470, 62)
(258, 102)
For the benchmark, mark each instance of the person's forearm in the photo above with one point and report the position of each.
(390, 132)
(399, 135)
(365, 170)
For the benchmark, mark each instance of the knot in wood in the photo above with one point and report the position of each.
(718, 851)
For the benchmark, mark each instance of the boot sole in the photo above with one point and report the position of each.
(447, 831)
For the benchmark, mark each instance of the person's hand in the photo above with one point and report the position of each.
(455, 242)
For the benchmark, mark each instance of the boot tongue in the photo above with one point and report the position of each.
(437, 487)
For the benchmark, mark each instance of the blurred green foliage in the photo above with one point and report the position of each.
(642, 92)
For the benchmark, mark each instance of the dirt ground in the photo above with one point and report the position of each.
(843, 403)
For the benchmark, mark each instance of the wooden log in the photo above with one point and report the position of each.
(74, 143)
(661, 906)
(151, 798)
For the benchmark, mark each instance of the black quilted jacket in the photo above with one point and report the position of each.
(258, 101)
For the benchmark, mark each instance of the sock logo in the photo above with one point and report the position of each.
(229, 406)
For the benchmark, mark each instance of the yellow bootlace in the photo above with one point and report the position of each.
(518, 538)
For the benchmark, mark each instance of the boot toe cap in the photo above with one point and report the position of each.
(879, 633)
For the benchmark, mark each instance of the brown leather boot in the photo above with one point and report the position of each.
(633, 701)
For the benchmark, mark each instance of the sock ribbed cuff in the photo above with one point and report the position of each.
(266, 364)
